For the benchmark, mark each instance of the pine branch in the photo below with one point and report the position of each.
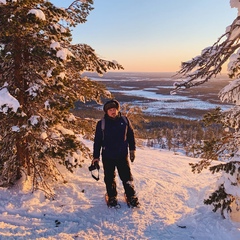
(209, 64)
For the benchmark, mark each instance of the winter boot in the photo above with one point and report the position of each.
(112, 202)
(133, 202)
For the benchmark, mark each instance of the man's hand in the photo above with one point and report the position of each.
(94, 166)
(95, 161)
(132, 155)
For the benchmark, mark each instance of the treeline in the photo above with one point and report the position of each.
(178, 134)
(174, 134)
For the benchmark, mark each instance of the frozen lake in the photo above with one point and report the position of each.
(152, 90)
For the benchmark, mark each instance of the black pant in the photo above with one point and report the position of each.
(124, 173)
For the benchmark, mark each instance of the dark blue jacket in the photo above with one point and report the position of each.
(115, 140)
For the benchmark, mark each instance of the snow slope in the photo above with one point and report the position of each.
(170, 195)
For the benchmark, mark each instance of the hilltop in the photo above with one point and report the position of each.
(170, 194)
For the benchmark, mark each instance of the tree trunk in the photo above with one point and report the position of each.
(20, 86)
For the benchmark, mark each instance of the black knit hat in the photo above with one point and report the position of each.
(111, 104)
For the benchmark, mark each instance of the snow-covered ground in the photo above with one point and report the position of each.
(171, 199)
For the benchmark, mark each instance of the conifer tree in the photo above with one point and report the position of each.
(199, 70)
(41, 76)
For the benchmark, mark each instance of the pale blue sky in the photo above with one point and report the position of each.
(153, 35)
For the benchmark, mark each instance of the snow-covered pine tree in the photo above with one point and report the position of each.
(40, 79)
(198, 71)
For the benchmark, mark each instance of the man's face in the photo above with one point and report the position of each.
(112, 112)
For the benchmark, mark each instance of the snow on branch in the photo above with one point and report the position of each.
(231, 92)
(7, 101)
(38, 13)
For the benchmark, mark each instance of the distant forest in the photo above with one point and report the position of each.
(179, 134)
(169, 133)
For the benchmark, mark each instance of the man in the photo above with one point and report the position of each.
(114, 135)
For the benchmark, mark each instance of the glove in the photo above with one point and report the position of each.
(132, 155)
(95, 164)
(95, 161)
